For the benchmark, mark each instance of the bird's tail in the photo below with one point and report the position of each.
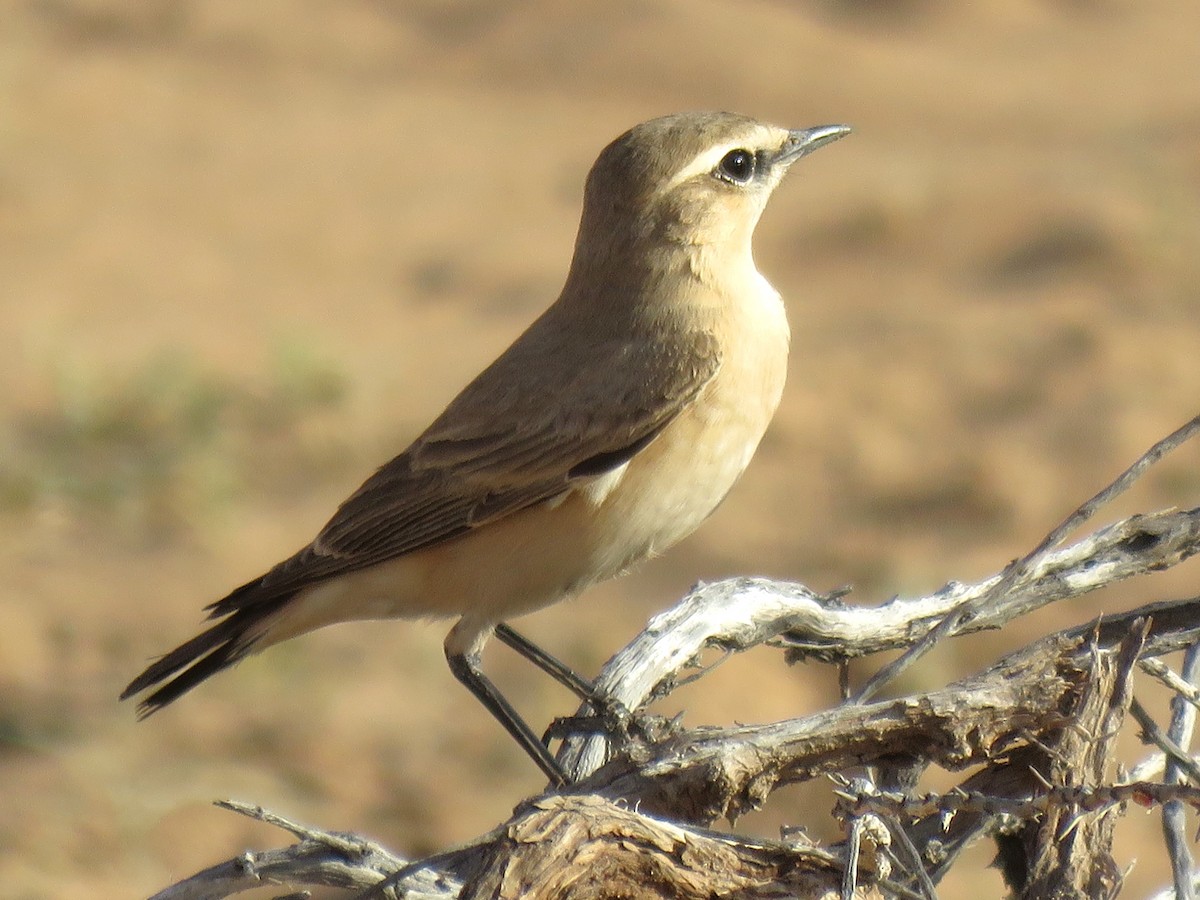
(214, 649)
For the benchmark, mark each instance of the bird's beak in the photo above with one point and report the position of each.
(805, 140)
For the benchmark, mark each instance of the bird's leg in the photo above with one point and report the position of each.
(466, 670)
(463, 647)
(615, 716)
(552, 666)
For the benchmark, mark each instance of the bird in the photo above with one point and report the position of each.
(608, 431)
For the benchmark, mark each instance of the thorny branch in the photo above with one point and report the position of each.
(1039, 723)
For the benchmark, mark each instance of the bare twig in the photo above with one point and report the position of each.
(1152, 733)
(320, 858)
(913, 863)
(1022, 568)
(1160, 670)
(962, 802)
(1183, 718)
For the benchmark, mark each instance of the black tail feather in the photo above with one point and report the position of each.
(222, 657)
(207, 653)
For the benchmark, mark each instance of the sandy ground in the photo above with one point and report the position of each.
(248, 250)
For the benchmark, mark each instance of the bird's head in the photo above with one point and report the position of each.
(692, 180)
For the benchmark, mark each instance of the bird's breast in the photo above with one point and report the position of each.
(667, 490)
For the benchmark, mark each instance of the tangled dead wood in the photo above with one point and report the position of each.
(1038, 727)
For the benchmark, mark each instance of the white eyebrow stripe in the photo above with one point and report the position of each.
(707, 161)
(702, 164)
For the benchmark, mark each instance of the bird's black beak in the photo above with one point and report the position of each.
(805, 140)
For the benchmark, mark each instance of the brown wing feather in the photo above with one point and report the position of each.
(513, 438)
(510, 440)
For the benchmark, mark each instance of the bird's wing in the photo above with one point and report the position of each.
(515, 437)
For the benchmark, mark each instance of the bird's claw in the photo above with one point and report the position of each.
(611, 719)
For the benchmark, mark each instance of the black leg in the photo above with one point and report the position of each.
(555, 668)
(616, 721)
(467, 671)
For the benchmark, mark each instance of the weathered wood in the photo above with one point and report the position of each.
(587, 848)
(1069, 849)
(739, 613)
(1040, 723)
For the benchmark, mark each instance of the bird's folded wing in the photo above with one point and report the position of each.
(512, 439)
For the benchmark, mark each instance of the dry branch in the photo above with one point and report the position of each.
(1040, 724)
(580, 846)
(1183, 719)
(1068, 852)
(739, 613)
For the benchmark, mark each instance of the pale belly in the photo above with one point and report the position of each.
(670, 489)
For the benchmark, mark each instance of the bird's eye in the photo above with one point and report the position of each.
(737, 166)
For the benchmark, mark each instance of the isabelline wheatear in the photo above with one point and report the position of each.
(607, 432)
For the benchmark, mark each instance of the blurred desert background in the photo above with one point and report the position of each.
(248, 250)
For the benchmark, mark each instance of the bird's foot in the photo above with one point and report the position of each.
(613, 720)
